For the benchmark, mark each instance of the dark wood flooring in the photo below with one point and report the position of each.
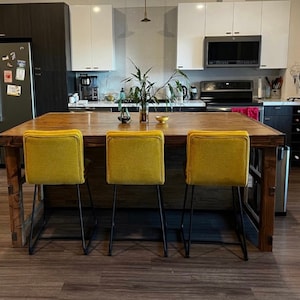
(137, 269)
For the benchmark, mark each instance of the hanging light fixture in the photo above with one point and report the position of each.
(145, 15)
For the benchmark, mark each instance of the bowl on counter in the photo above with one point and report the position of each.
(111, 97)
(162, 119)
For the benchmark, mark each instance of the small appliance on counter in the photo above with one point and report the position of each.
(87, 86)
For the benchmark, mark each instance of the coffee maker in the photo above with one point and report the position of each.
(88, 89)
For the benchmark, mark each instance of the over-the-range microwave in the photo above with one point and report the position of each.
(232, 51)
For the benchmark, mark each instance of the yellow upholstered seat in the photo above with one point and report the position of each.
(55, 158)
(136, 158)
(217, 158)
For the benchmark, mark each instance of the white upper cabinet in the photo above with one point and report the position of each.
(247, 18)
(219, 18)
(275, 34)
(190, 36)
(92, 45)
(233, 18)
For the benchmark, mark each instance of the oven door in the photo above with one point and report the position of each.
(228, 108)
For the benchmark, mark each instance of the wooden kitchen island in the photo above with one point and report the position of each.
(94, 126)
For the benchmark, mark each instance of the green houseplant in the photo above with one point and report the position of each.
(143, 92)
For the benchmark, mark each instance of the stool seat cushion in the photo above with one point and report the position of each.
(217, 158)
(54, 157)
(135, 157)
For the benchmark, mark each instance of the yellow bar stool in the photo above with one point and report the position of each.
(217, 158)
(56, 158)
(136, 158)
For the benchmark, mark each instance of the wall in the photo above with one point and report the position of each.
(153, 44)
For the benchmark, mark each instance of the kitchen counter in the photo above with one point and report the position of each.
(110, 104)
(275, 102)
(102, 104)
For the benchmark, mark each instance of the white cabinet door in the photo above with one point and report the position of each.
(233, 18)
(219, 18)
(92, 37)
(102, 37)
(275, 34)
(80, 18)
(247, 18)
(190, 36)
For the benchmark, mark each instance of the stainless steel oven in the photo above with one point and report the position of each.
(224, 95)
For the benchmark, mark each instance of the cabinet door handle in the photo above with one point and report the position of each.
(228, 32)
(267, 119)
(2, 34)
(236, 32)
(277, 107)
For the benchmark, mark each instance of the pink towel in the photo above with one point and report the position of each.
(251, 112)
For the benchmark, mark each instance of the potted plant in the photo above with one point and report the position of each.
(144, 91)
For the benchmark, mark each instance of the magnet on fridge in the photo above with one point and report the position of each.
(7, 74)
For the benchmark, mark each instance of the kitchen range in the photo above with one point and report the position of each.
(229, 95)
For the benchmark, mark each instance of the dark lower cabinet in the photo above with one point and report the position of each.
(48, 26)
(280, 118)
(295, 143)
(286, 119)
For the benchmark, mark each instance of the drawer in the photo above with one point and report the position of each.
(278, 110)
(295, 157)
(296, 128)
(296, 110)
(296, 119)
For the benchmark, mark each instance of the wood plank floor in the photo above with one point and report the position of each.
(137, 269)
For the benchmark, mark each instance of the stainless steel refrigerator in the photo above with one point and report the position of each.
(17, 103)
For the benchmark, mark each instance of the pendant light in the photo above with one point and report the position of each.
(145, 15)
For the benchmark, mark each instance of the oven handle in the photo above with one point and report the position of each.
(218, 108)
(228, 109)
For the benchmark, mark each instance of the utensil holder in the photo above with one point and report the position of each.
(276, 93)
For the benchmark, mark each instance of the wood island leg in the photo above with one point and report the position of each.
(16, 209)
(267, 204)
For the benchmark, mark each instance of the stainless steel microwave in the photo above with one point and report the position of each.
(232, 51)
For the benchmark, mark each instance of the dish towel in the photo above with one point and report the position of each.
(251, 112)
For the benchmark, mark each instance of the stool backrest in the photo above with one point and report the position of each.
(53, 157)
(217, 158)
(135, 157)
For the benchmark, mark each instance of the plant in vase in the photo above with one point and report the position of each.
(144, 92)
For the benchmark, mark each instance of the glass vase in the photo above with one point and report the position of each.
(144, 112)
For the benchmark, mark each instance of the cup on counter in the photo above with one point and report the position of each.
(71, 99)
(267, 92)
(76, 97)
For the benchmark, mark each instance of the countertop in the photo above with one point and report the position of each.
(274, 102)
(110, 104)
(186, 103)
